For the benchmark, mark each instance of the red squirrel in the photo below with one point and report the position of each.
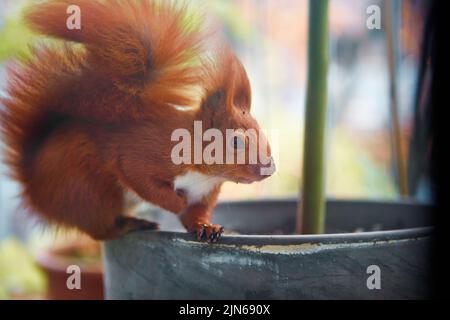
(91, 120)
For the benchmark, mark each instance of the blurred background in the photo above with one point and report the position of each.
(270, 37)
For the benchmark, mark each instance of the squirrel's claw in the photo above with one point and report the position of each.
(209, 232)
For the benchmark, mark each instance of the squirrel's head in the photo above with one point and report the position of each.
(225, 107)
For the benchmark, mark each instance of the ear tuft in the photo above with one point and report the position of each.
(226, 74)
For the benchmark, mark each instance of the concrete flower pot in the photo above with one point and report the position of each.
(262, 263)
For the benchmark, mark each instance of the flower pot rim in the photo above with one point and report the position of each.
(391, 202)
(407, 233)
(146, 237)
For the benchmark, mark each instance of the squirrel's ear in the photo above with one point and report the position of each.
(226, 83)
(240, 92)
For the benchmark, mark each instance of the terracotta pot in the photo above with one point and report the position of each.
(55, 262)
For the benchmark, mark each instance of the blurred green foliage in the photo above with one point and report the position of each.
(234, 21)
(14, 36)
(19, 274)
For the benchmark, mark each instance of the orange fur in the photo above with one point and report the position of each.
(84, 125)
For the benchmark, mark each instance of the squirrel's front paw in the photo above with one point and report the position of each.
(209, 232)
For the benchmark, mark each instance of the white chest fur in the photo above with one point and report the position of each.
(196, 185)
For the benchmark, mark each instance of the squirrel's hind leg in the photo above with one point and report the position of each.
(70, 186)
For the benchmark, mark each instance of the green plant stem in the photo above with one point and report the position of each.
(311, 212)
(395, 119)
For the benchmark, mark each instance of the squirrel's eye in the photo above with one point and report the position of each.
(237, 143)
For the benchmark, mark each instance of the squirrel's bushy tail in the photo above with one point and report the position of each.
(146, 47)
(35, 88)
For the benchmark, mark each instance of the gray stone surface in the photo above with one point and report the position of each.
(173, 265)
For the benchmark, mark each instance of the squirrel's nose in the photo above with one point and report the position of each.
(268, 169)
